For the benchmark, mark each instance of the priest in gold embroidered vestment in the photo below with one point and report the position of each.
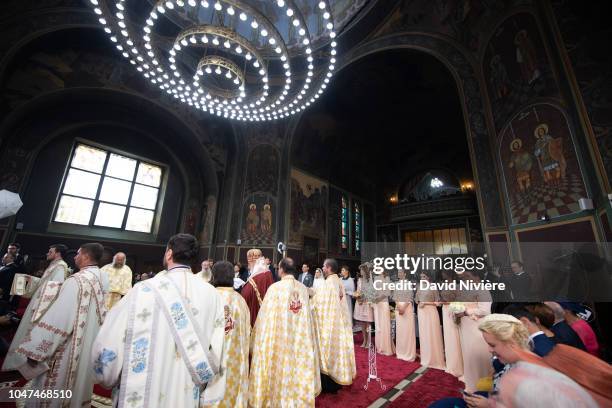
(333, 329)
(284, 365)
(237, 336)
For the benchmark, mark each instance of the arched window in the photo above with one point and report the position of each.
(104, 188)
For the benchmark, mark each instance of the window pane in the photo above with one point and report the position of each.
(110, 215)
(121, 167)
(139, 220)
(81, 183)
(89, 158)
(149, 174)
(115, 191)
(144, 196)
(74, 210)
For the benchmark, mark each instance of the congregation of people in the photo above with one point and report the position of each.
(223, 336)
(263, 335)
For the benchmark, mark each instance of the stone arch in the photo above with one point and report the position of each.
(463, 70)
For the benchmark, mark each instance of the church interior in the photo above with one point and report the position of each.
(315, 129)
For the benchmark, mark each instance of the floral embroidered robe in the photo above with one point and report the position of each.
(237, 337)
(57, 271)
(334, 332)
(169, 382)
(284, 365)
(62, 338)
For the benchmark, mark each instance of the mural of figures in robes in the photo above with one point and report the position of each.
(262, 169)
(208, 219)
(516, 67)
(541, 170)
(258, 220)
(308, 206)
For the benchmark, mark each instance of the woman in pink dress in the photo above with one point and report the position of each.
(405, 338)
(452, 341)
(476, 356)
(430, 332)
(382, 319)
(582, 328)
(363, 310)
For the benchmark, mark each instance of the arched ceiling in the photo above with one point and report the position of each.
(386, 117)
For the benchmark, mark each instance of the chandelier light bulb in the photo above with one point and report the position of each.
(269, 103)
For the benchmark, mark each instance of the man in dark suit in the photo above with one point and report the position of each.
(305, 277)
(7, 273)
(542, 344)
(563, 331)
(519, 282)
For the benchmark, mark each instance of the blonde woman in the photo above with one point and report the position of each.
(430, 332)
(508, 342)
(405, 338)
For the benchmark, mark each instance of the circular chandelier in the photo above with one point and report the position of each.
(248, 60)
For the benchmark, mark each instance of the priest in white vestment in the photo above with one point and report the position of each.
(119, 278)
(162, 344)
(54, 275)
(65, 332)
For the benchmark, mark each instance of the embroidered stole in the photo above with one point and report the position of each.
(254, 285)
(89, 286)
(48, 292)
(151, 296)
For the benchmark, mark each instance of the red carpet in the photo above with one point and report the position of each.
(432, 386)
(390, 369)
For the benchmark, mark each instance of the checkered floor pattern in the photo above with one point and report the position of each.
(546, 199)
(398, 389)
(257, 238)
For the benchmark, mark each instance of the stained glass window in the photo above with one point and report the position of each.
(344, 216)
(106, 189)
(357, 232)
